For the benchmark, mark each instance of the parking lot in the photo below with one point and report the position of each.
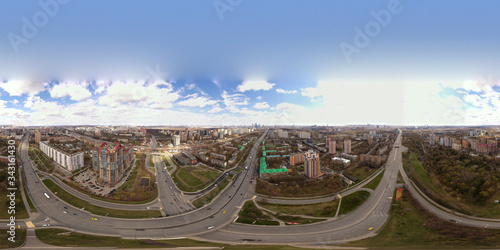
(88, 181)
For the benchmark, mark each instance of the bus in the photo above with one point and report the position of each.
(46, 195)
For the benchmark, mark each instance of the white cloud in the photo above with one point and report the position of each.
(190, 86)
(77, 91)
(255, 85)
(14, 101)
(100, 86)
(282, 91)
(474, 100)
(18, 88)
(153, 95)
(233, 101)
(259, 97)
(314, 93)
(215, 109)
(261, 105)
(197, 101)
(3, 104)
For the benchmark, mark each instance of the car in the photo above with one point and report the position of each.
(211, 217)
(209, 208)
(371, 228)
(454, 221)
(224, 212)
(74, 214)
(65, 212)
(210, 227)
(65, 207)
(94, 218)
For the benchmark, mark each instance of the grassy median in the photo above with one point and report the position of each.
(207, 198)
(374, 183)
(67, 197)
(353, 201)
(323, 209)
(250, 214)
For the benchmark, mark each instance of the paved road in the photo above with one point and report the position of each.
(222, 211)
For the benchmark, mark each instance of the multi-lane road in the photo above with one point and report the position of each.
(222, 211)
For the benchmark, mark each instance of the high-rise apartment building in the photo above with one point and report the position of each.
(311, 164)
(432, 139)
(176, 140)
(111, 161)
(38, 137)
(332, 147)
(347, 146)
(296, 158)
(465, 143)
(69, 161)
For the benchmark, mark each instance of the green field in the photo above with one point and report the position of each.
(410, 226)
(20, 209)
(59, 238)
(353, 201)
(191, 178)
(374, 183)
(361, 172)
(297, 219)
(19, 240)
(250, 214)
(324, 209)
(207, 198)
(67, 197)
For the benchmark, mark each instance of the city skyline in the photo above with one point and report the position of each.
(249, 62)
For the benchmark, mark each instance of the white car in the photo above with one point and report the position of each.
(210, 227)
(65, 212)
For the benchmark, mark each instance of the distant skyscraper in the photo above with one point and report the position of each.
(311, 164)
(347, 146)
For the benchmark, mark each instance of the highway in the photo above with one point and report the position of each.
(221, 212)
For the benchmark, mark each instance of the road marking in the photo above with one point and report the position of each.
(255, 196)
(29, 224)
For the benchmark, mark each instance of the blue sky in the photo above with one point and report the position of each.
(211, 62)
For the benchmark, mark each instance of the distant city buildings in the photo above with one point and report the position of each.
(456, 146)
(69, 161)
(311, 164)
(111, 161)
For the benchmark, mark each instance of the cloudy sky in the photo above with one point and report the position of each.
(225, 62)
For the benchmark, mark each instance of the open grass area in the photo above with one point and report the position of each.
(165, 160)
(151, 162)
(297, 219)
(361, 172)
(353, 201)
(374, 183)
(131, 190)
(295, 186)
(193, 178)
(59, 238)
(250, 214)
(63, 195)
(324, 209)
(207, 198)
(18, 240)
(410, 226)
(20, 210)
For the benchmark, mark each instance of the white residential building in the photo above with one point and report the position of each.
(68, 161)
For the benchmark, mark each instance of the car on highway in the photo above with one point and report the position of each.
(94, 218)
(74, 214)
(224, 212)
(46, 225)
(65, 212)
(210, 227)
(371, 228)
